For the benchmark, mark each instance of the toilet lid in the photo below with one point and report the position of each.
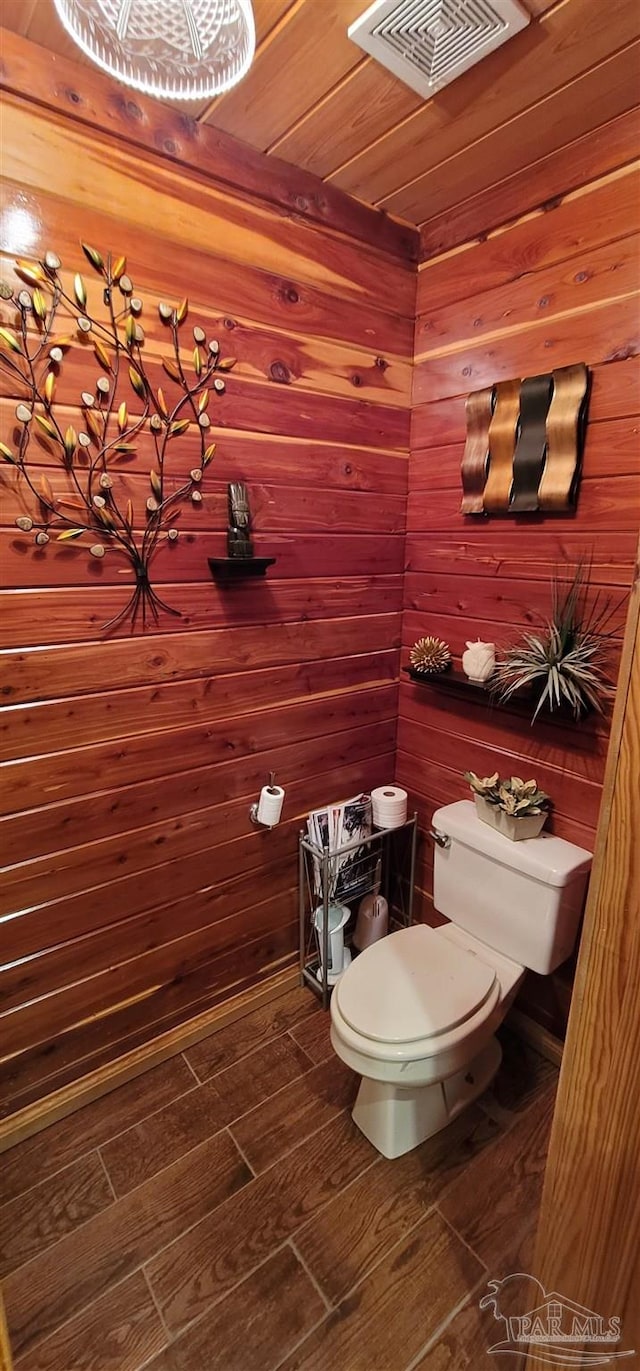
(413, 984)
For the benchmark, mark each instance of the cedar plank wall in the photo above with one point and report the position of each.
(138, 891)
(553, 288)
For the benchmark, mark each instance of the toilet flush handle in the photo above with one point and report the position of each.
(440, 839)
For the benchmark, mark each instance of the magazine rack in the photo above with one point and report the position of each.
(386, 859)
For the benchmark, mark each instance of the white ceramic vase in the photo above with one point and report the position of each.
(478, 662)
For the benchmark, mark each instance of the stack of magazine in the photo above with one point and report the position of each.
(352, 873)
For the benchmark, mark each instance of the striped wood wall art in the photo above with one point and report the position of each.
(524, 444)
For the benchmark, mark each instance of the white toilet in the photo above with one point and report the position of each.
(415, 1013)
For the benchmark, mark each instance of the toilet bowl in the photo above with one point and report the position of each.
(415, 1014)
(415, 1017)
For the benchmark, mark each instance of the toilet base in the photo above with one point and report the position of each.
(397, 1120)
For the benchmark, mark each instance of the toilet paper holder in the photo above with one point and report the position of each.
(253, 809)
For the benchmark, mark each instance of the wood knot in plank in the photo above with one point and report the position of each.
(279, 372)
(127, 109)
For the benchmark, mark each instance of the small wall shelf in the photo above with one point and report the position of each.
(235, 568)
(453, 681)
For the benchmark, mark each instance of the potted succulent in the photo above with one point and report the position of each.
(517, 808)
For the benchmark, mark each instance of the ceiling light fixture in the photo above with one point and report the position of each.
(172, 49)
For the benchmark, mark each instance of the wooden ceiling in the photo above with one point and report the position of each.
(314, 99)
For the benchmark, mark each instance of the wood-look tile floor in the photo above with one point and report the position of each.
(223, 1213)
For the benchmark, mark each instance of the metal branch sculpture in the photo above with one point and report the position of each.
(32, 353)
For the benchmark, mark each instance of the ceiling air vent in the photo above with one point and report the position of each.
(427, 43)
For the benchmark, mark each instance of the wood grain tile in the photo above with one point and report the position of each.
(254, 1326)
(229, 1044)
(143, 1150)
(50, 1210)
(119, 1332)
(258, 1076)
(140, 1152)
(211, 1235)
(493, 1205)
(286, 1119)
(464, 1343)
(64, 1142)
(387, 1319)
(313, 1035)
(360, 1226)
(199, 1267)
(56, 1285)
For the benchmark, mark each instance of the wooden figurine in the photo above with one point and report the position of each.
(238, 537)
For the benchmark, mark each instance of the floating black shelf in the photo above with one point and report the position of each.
(453, 680)
(235, 568)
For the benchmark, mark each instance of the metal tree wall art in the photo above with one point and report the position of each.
(119, 405)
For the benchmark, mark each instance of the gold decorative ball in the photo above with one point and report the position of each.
(429, 656)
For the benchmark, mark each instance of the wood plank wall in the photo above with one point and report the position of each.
(136, 891)
(556, 286)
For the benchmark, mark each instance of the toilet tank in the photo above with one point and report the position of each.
(523, 899)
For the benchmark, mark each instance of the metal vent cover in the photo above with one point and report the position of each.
(428, 43)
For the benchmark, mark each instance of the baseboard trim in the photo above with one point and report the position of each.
(544, 1042)
(60, 1103)
(26, 1122)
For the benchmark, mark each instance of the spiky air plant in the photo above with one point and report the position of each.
(429, 656)
(120, 404)
(567, 661)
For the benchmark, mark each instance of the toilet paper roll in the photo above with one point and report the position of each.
(270, 805)
(389, 806)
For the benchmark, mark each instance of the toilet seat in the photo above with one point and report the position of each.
(411, 990)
